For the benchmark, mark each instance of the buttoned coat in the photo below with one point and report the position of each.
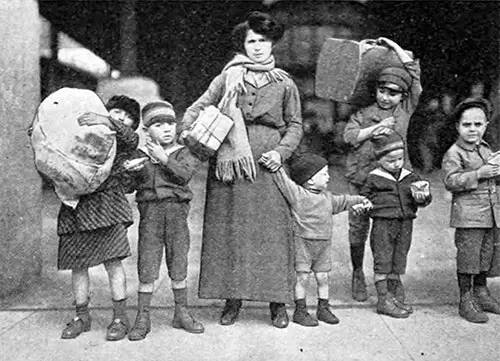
(247, 248)
(475, 202)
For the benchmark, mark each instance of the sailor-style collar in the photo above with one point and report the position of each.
(385, 174)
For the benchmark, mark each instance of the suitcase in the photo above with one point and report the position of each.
(347, 70)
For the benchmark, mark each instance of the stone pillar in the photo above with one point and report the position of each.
(20, 190)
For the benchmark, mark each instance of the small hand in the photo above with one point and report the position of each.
(488, 171)
(389, 122)
(271, 160)
(384, 41)
(134, 165)
(156, 151)
(380, 131)
(363, 207)
(91, 118)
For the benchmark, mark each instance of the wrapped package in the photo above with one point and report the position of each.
(208, 131)
(347, 70)
(76, 159)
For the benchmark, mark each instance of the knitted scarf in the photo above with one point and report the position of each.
(234, 157)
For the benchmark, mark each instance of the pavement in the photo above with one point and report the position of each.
(31, 320)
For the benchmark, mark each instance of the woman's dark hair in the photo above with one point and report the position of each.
(260, 23)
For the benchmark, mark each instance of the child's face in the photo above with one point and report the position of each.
(388, 95)
(122, 116)
(163, 133)
(472, 125)
(320, 180)
(393, 161)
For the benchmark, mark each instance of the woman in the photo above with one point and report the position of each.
(247, 250)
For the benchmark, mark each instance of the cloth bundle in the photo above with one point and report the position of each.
(76, 159)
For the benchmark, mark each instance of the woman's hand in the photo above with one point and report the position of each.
(156, 151)
(91, 118)
(271, 160)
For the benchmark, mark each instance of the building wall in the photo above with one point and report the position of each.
(20, 193)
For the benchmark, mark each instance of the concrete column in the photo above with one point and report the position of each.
(20, 189)
(128, 38)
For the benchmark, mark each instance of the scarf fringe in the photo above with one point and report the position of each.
(229, 170)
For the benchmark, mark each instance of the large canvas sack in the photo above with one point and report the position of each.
(347, 70)
(76, 159)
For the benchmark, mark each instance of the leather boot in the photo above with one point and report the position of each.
(301, 316)
(183, 320)
(386, 304)
(324, 313)
(279, 317)
(142, 325)
(119, 327)
(230, 312)
(469, 310)
(485, 300)
(359, 285)
(397, 289)
(81, 323)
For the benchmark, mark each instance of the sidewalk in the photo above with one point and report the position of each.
(31, 321)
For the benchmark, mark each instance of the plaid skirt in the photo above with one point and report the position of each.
(91, 248)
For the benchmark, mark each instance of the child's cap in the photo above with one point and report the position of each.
(386, 143)
(157, 112)
(472, 102)
(131, 106)
(396, 75)
(304, 166)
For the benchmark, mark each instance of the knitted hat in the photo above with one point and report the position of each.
(304, 166)
(131, 106)
(157, 112)
(385, 144)
(473, 102)
(396, 75)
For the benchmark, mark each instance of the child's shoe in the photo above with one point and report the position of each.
(119, 327)
(324, 314)
(76, 327)
(142, 326)
(359, 286)
(279, 317)
(397, 289)
(81, 323)
(386, 302)
(485, 300)
(469, 310)
(301, 316)
(182, 319)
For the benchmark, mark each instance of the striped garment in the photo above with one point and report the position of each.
(88, 249)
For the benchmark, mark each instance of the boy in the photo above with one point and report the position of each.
(471, 173)
(96, 231)
(312, 207)
(395, 193)
(396, 98)
(163, 200)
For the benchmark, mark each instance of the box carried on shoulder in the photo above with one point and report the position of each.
(347, 70)
(208, 131)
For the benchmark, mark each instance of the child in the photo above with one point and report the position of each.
(96, 231)
(396, 98)
(312, 207)
(163, 201)
(470, 173)
(389, 188)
